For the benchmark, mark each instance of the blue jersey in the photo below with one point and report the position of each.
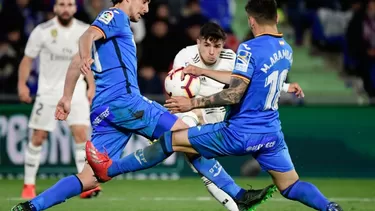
(265, 61)
(115, 59)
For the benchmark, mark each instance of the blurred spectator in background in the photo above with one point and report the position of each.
(360, 38)
(192, 7)
(148, 81)
(8, 67)
(219, 11)
(93, 8)
(20, 19)
(159, 47)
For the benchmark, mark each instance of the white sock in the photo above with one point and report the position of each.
(220, 195)
(80, 155)
(32, 161)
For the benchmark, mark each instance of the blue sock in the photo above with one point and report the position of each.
(307, 194)
(61, 191)
(212, 169)
(143, 158)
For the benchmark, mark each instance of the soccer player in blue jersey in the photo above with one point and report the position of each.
(252, 125)
(119, 110)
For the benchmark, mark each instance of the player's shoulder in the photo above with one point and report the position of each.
(227, 54)
(189, 51)
(46, 25)
(107, 15)
(81, 24)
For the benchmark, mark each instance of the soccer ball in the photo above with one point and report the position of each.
(189, 87)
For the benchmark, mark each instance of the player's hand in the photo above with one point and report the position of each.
(90, 94)
(296, 89)
(192, 70)
(62, 109)
(85, 65)
(178, 104)
(24, 93)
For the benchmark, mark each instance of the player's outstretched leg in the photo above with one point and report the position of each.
(221, 196)
(245, 199)
(105, 169)
(64, 189)
(294, 189)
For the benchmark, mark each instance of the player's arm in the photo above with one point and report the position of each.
(85, 43)
(232, 95)
(239, 82)
(293, 88)
(223, 75)
(72, 76)
(91, 86)
(23, 74)
(219, 75)
(32, 50)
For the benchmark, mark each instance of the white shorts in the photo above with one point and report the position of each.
(43, 115)
(213, 115)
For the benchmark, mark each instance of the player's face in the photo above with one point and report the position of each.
(137, 9)
(209, 50)
(64, 10)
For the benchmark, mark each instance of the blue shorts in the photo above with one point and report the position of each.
(115, 123)
(215, 140)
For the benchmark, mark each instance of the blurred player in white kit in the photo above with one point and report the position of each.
(54, 42)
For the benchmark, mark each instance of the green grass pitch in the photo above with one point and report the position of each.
(190, 195)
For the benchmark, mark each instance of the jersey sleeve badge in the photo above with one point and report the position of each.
(106, 17)
(243, 60)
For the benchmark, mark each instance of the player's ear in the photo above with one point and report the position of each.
(251, 22)
(198, 41)
(277, 19)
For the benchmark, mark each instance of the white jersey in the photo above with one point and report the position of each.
(190, 55)
(55, 45)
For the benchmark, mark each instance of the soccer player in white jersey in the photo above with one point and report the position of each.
(208, 55)
(209, 58)
(54, 42)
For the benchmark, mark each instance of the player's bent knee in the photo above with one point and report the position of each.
(284, 179)
(38, 137)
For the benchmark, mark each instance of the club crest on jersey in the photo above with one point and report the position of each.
(106, 17)
(243, 60)
(54, 35)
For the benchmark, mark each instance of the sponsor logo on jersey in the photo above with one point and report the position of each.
(243, 60)
(106, 17)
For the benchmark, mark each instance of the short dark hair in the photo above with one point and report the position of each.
(114, 2)
(213, 32)
(263, 11)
